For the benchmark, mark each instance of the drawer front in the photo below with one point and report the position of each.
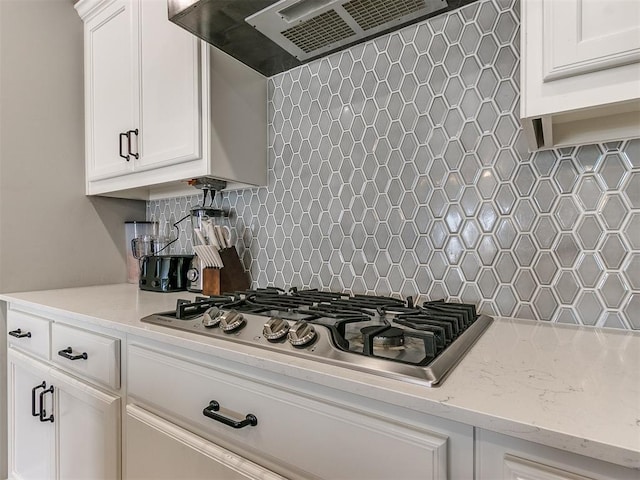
(92, 355)
(294, 435)
(29, 333)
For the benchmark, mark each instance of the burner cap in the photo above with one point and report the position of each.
(391, 337)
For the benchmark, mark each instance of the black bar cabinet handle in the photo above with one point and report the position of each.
(33, 398)
(134, 155)
(43, 413)
(126, 157)
(66, 353)
(20, 334)
(214, 406)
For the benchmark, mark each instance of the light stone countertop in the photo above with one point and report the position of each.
(568, 387)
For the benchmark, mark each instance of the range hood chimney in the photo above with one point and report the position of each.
(272, 36)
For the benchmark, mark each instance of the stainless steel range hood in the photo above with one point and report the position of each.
(272, 36)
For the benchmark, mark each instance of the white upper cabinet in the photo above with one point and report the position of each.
(163, 107)
(170, 97)
(110, 99)
(580, 72)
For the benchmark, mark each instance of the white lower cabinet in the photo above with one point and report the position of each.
(59, 427)
(294, 432)
(31, 442)
(500, 457)
(157, 449)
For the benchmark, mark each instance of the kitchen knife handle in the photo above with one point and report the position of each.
(20, 334)
(126, 157)
(33, 398)
(66, 353)
(214, 406)
(134, 155)
(43, 413)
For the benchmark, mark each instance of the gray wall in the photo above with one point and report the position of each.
(399, 167)
(51, 234)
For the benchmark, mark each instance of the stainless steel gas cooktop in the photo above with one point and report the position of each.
(379, 335)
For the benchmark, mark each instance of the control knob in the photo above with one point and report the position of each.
(211, 317)
(302, 333)
(231, 321)
(275, 328)
(193, 274)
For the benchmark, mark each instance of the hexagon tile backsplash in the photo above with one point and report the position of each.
(399, 166)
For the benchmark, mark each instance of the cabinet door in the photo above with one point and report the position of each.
(110, 89)
(499, 457)
(519, 469)
(160, 450)
(88, 430)
(603, 34)
(31, 442)
(170, 94)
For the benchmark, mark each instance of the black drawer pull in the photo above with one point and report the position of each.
(135, 132)
(214, 406)
(126, 157)
(66, 353)
(20, 334)
(33, 398)
(43, 413)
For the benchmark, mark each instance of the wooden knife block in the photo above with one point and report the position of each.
(230, 278)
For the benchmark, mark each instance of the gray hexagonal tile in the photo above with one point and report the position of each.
(632, 152)
(566, 250)
(612, 171)
(488, 283)
(525, 285)
(487, 83)
(524, 214)
(632, 309)
(470, 234)
(506, 301)
(505, 199)
(613, 251)
(566, 213)
(544, 196)
(631, 231)
(524, 180)
(545, 303)
(544, 161)
(613, 290)
(454, 250)
(524, 250)
(587, 157)
(487, 250)
(631, 190)
(565, 176)
(470, 266)
(631, 271)
(438, 233)
(613, 211)
(545, 232)
(589, 307)
(506, 62)
(545, 268)
(589, 232)
(567, 287)
(506, 267)
(506, 129)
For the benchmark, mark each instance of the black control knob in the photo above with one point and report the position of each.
(302, 333)
(211, 317)
(231, 321)
(275, 328)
